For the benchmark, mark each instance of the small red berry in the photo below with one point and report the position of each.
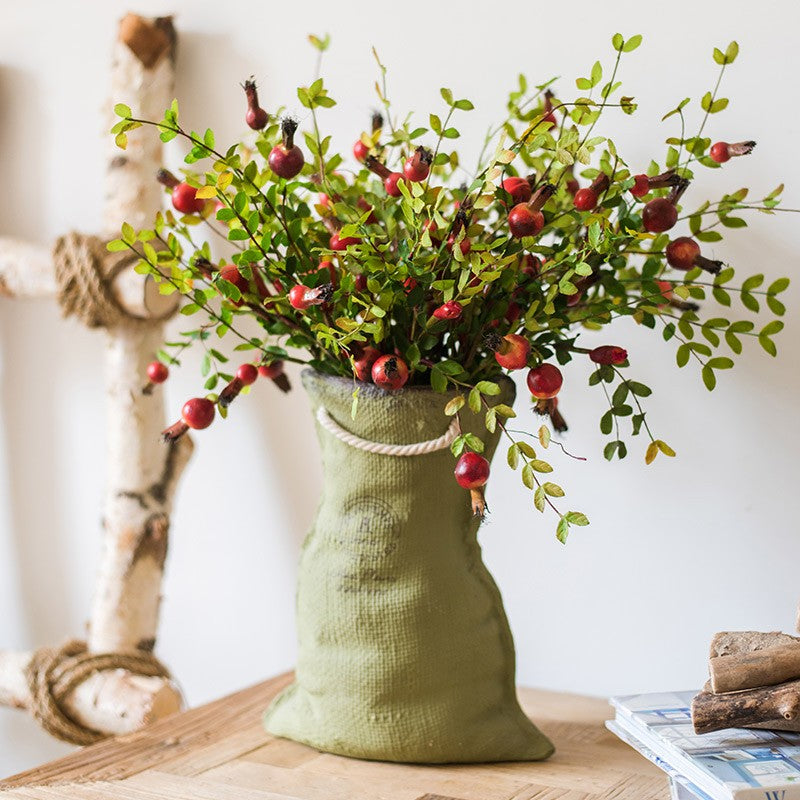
(513, 352)
(297, 297)
(362, 363)
(472, 471)
(659, 215)
(641, 185)
(665, 287)
(430, 226)
(409, 284)
(256, 118)
(530, 266)
(608, 354)
(330, 268)
(286, 159)
(198, 413)
(365, 206)
(247, 373)
(286, 163)
(682, 253)
(360, 150)
(518, 188)
(418, 166)
(585, 199)
(390, 372)
(361, 282)
(271, 370)
(545, 381)
(450, 310)
(513, 312)
(337, 243)
(464, 245)
(522, 221)
(184, 199)
(574, 299)
(723, 151)
(390, 184)
(231, 274)
(157, 372)
(719, 152)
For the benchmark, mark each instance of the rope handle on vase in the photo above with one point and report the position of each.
(416, 449)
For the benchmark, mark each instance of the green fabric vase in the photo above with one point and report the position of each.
(405, 653)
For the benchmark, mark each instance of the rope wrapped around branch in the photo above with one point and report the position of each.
(85, 273)
(53, 673)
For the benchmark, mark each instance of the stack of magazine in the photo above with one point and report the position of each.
(741, 764)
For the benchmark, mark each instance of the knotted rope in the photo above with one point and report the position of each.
(85, 273)
(55, 672)
(416, 449)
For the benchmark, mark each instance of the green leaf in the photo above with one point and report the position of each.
(562, 530)
(539, 498)
(720, 362)
(576, 518)
(528, 476)
(454, 405)
(512, 456)
(709, 378)
(488, 387)
(447, 95)
(128, 233)
(121, 110)
(553, 489)
(665, 448)
(632, 43)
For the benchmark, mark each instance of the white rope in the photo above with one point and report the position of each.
(417, 449)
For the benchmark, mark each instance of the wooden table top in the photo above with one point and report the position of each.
(220, 752)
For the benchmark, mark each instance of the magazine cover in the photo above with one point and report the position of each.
(734, 763)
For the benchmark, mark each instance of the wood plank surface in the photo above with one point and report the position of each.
(221, 752)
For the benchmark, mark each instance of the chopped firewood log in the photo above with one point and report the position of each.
(776, 707)
(730, 642)
(752, 670)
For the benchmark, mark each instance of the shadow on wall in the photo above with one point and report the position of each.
(37, 529)
(37, 534)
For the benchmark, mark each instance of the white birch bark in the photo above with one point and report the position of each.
(142, 472)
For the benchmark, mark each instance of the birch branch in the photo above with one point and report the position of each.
(142, 473)
(26, 270)
(114, 702)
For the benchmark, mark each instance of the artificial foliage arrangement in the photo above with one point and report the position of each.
(411, 284)
(401, 266)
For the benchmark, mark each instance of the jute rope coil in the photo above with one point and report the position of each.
(53, 673)
(416, 449)
(85, 273)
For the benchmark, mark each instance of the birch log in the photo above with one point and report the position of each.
(26, 270)
(141, 470)
(142, 473)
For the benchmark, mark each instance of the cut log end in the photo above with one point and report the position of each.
(148, 39)
(771, 707)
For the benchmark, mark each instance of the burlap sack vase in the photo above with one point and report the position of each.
(405, 653)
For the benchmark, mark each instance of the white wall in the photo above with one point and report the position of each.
(676, 551)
